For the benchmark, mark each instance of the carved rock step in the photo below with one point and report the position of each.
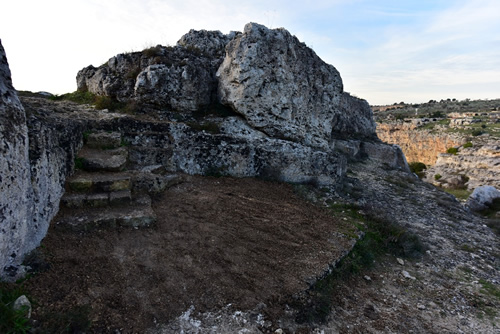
(81, 200)
(104, 140)
(103, 160)
(138, 214)
(98, 182)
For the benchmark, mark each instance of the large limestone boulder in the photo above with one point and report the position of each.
(482, 197)
(284, 89)
(15, 177)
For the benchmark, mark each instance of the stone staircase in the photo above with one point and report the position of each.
(100, 193)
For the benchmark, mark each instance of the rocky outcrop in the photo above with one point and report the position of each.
(209, 43)
(290, 121)
(482, 198)
(418, 145)
(180, 78)
(15, 186)
(476, 165)
(278, 84)
(284, 89)
(37, 155)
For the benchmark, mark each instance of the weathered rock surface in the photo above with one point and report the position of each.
(96, 159)
(476, 165)
(36, 158)
(100, 195)
(181, 78)
(482, 197)
(15, 186)
(211, 43)
(298, 145)
(284, 89)
(418, 145)
(23, 305)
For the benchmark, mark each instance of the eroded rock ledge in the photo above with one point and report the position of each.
(257, 103)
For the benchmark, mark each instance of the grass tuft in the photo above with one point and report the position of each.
(381, 236)
(12, 321)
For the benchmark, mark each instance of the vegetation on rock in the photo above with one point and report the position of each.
(418, 168)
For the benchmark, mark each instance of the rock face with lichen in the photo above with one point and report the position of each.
(15, 185)
(278, 84)
(35, 159)
(180, 78)
(284, 89)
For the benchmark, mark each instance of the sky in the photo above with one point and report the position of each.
(386, 51)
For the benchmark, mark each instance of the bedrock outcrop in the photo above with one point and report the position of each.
(201, 112)
(278, 84)
(15, 184)
(284, 89)
(470, 167)
(35, 158)
(418, 145)
(275, 86)
(180, 78)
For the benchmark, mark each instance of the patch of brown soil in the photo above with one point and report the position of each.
(217, 241)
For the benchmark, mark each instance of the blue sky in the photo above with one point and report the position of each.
(386, 50)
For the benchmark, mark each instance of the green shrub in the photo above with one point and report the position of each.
(452, 150)
(477, 132)
(152, 51)
(106, 102)
(467, 144)
(437, 177)
(133, 73)
(86, 135)
(103, 102)
(458, 193)
(79, 96)
(381, 236)
(437, 114)
(78, 163)
(85, 97)
(418, 168)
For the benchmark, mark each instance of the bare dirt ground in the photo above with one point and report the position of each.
(233, 255)
(217, 241)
